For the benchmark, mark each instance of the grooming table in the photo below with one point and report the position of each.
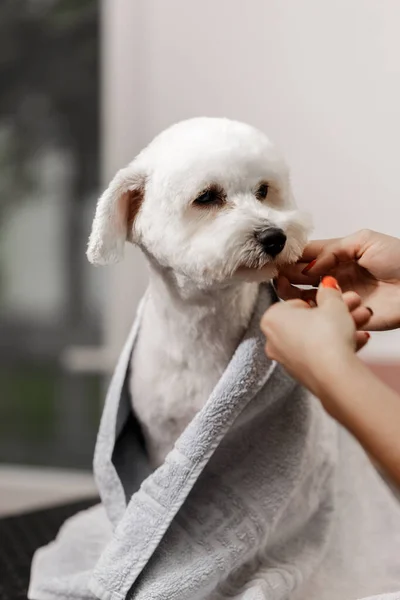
(20, 536)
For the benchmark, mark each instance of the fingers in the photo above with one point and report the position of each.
(294, 273)
(269, 351)
(361, 316)
(329, 292)
(297, 303)
(278, 311)
(287, 291)
(352, 300)
(362, 338)
(315, 248)
(309, 296)
(324, 255)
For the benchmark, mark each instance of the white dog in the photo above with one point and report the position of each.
(209, 203)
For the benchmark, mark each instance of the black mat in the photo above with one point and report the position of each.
(20, 536)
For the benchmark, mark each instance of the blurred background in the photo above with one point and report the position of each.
(84, 85)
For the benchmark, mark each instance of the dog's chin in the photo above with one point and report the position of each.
(256, 275)
(267, 271)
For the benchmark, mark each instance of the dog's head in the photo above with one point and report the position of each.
(209, 199)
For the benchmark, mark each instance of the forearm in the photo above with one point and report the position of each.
(366, 407)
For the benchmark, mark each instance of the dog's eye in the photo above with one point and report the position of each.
(210, 197)
(262, 191)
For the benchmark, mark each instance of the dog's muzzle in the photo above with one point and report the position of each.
(272, 240)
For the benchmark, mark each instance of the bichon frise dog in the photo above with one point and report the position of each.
(210, 204)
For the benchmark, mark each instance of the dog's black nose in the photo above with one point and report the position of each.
(273, 240)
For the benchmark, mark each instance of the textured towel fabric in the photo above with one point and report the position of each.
(263, 497)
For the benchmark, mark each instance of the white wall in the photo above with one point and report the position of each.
(321, 77)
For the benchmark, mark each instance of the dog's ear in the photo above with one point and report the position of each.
(116, 211)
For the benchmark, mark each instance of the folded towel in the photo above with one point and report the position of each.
(263, 496)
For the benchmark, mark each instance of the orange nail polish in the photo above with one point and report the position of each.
(330, 282)
(309, 266)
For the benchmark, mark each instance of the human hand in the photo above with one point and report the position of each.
(366, 262)
(307, 341)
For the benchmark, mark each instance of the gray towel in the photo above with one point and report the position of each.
(263, 496)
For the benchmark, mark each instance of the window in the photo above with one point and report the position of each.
(49, 173)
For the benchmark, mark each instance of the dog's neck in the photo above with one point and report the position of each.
(187, 337)
(216, 316)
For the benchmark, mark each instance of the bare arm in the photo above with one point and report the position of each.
(366, 407)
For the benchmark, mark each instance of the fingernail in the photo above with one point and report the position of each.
(368, 335)
(311, 303)
(309, 266)
(370, 310)
(330, 282)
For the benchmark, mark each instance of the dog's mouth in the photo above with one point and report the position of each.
(256, 264)
(253, 259)
(265, 273)
(259, 271)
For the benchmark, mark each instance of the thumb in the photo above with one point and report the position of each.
(329, 291)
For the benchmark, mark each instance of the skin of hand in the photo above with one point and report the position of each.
(305, 340)
(318, 347)
(365, 262)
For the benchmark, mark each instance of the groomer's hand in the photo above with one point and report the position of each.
(366, 262)
(309, 341)
(318, 347)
